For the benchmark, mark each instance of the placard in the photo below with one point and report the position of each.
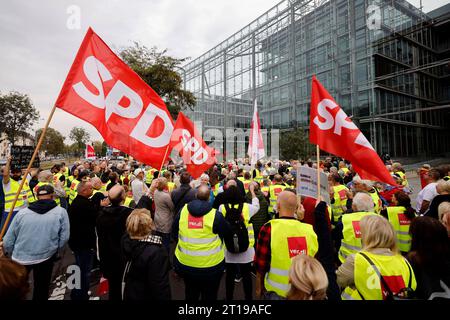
(307, 183)
(21, 156)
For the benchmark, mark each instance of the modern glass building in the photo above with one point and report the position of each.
(385, 62)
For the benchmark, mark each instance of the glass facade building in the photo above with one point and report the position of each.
(385, 62)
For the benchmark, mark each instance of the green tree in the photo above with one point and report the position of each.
(159, 71)
(294, 145)
(100, 148)
(17, 114)
(53, 142)
(80, 136)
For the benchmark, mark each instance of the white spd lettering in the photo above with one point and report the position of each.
(191, 144)
(338, 122)
(97, 74)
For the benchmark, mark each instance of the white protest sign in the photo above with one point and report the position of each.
(307, 183)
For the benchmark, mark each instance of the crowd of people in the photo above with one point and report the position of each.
(138, 225)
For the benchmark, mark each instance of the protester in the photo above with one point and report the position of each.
(427, 194)
(147, 272)
(368, 187)
(138, 186)
(164, 212)
(83, 214)
(430, 258)
(262, 216)
(277, 238)
(443, 190)
(35, 237)
(110, 226)
(444, 215)
(184, 194)
(400, 216)
(274, 190)
(378, 260)
(14, 284)
(199, 254)
(307, 278)
(240, 261)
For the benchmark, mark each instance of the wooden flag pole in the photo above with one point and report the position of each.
(36, 150)
(318, 171)
(164, 160)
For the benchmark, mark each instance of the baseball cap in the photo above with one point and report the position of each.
(45, 190)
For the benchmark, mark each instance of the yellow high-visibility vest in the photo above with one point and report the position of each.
(258, 177)
(198, 246)
(351, 242)
(170, 186)
(215, 189)
(73, 190)
(11, 194)
(274, 191)
(395, 269)
(128, 201)
(246, 184)
(288, 238)
(378, 204)
(340, 201)
(401, 224)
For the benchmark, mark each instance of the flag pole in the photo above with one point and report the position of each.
(36, 150)
(164, 160)
(318, 171)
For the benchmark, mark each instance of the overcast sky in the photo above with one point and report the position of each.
(37, 48)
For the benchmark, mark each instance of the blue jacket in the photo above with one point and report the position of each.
(37, 232)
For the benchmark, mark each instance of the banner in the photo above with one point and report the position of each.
(196, 154)
(307, 183)
(255, 143)
(21, 157)
(102, 90)
(333, 131)
(89, 152)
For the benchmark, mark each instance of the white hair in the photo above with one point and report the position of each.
(368, 183)
(204, 176)
(362, 201)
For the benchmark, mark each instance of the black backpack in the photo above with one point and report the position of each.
(236, 240)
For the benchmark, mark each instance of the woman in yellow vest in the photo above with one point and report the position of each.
(338, 196)
(400, 215)
(243, 260)
(379, 271)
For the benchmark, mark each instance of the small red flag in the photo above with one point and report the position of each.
(102, 90)
(196, 154)
(334, 132)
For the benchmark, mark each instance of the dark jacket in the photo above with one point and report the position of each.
(433, 208)
(262, 216)
(111, 227)
(82, 217)
(199, 208)
(148, 276)
(182, 195)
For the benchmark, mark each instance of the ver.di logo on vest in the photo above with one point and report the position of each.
(195, 222)
(403, 220)
(296, 246)
(356, 229)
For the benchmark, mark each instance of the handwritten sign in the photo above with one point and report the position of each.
(307, 183)
(21, 157)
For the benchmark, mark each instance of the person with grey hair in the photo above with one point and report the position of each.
(364, 185)
(82, 215)
(46, 178)
(199, 254)
(351, 235)
(443, 190)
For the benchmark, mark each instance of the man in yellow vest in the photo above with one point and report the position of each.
(368, 186)
(199, 254)
(274, 190)
(47, 178)
(279, 241)
(83, 175)
(351, 234)
(338, 196)
(257, 174)
(11, 183)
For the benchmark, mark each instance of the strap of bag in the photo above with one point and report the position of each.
(377, 271)
(125, 273)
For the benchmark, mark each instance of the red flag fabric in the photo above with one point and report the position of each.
(89, 152)
(102, 90)
(196, 154)
(255, 143)
(334, 132)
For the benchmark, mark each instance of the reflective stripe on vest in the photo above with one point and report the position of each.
(351, 242)
(246, 216)
(401, 223)
(288, 238)
(393, 268)
(198, 246)
(340, 200)
(274, 191)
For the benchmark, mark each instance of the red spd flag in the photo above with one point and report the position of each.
(89, 152)
(334, 132)
(196, 154)
(102, 90)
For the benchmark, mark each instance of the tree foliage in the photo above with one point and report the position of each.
(294, 145)
(17, 114)
(160, 72)
(100, 148)
(53, 142)
(80, 136)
